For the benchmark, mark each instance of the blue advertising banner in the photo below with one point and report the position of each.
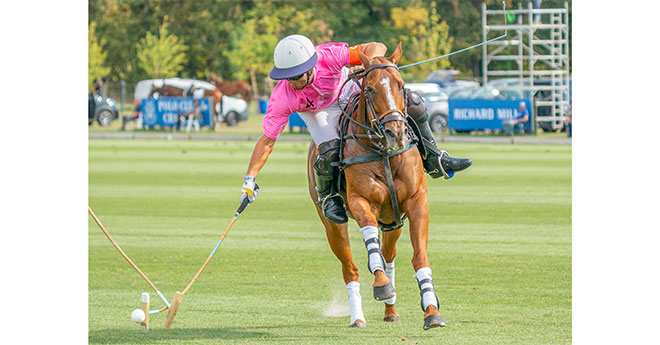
(296, 121)
(165, 111)
(476, 114)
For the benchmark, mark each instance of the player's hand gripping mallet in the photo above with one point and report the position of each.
(176, 302)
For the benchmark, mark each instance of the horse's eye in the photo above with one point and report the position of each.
(371, 90)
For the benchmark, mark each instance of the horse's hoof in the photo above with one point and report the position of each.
(433, 321)
(384, 292)
(358, 324)
(393, 318)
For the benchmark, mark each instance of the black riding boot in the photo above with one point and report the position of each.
(436, 162)
(327, 182)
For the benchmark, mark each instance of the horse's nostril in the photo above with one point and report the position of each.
(390, 134)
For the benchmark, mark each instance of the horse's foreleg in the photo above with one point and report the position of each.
(339, 243)
(364, 214)
(417, 209)
(389, 253)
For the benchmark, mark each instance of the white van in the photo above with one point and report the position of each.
(233, 109)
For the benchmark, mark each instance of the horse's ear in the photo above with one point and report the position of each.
(364, 58)
(396, 55)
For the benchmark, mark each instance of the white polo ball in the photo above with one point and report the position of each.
(138, 315)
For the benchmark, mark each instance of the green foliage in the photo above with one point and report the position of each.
(252, 42)
(161, 56)
(216, 30)
(424, 36)
(96, 56)
(252, 46)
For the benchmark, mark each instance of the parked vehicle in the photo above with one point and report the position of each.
(230, 110)
(458, 85)
(462, 93)
(436, 104)
(101, 110)
(490, 92)
(446, 80)
(233, 110)
(442, 77)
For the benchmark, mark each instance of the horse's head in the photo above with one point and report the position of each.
(383, 97)
(215, 80)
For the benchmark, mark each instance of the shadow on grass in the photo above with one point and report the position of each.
(128, 336)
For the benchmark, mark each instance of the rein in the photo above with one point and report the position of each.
(374, 132)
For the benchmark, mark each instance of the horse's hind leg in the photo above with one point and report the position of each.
(389, 253)
(339, 243)
(418, 212)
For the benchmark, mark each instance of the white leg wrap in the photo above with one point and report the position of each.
(389, 272)
(355, 301)
(370, 234)
(427, 292)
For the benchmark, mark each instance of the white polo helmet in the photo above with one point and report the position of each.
(293, 56)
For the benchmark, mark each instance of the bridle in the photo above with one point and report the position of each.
(375, 130)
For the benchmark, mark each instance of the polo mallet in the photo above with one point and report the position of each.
(98, 222)
(176, 301)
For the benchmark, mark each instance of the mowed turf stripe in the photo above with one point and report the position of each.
(499, 246)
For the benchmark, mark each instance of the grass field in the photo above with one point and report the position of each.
(500, 249)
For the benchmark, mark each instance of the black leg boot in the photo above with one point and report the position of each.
(326, 182)
(437, 162)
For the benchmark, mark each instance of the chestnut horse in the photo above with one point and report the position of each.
(384, 161)
(241, 88)
(173, 91)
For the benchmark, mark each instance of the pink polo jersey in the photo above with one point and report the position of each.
(322, 92)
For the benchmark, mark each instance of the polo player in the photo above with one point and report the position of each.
(310, 78)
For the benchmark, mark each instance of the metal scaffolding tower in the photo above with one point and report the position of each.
(540, 64)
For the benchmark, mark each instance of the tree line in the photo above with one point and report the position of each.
(143, 39)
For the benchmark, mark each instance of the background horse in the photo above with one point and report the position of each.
(166, 91)
(173, 91)
(368, 195)
(241, 88)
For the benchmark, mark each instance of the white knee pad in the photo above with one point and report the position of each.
(355, 301)
(376, 261)
(426, 289)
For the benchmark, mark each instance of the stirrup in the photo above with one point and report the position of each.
(447, 175)
(323, 201)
